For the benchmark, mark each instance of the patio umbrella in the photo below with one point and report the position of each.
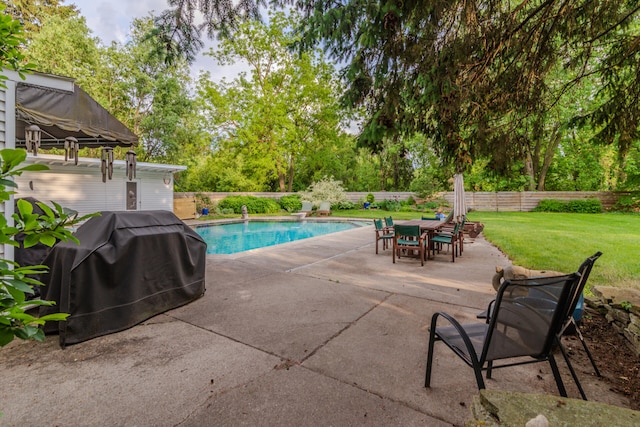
(459, 204)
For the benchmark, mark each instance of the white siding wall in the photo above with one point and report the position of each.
(81, 188)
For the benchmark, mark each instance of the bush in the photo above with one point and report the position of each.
(628, 203)
(585, 206)
(371, 198)
(575, 206)
(390, 205)
(255, 205)
(550, 205)
(346, 205)
(17, 282)
(325, 190)
(407, 208)
(291, 203)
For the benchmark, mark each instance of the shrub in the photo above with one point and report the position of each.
(390, 205)
(550, 205)
(585, 206)
(371, 198)
(325, 190)
(254, 204)
(17, 282)
(291, 203)
(628, 203)
(407, 208)
(576, 206)
(346, 205)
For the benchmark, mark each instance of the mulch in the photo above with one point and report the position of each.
(618, 364)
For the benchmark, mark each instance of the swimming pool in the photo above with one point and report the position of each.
(247, 235)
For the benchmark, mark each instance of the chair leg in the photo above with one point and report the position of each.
(556, 375)
(586, 349)
(571, 370)
(432, 338)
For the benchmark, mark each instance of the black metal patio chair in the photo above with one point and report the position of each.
(526, 318)
(570, 322)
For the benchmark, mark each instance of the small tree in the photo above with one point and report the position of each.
(325, 190)
(46, 228)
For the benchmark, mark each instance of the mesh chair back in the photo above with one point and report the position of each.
(388, 221)
(378, 224)
(584, 270)
(527, 316)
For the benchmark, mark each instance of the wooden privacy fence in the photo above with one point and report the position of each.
(525, 201)
(501, 201)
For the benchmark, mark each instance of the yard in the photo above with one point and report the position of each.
(557, 241)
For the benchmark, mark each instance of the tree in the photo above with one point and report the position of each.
(468, 73)
(30, 13)
(131, 81)
(65, 46)
(11, 37)
(280, 113)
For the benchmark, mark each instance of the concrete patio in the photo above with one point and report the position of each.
(317, 332)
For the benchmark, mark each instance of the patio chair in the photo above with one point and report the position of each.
(521, 325)
(307, 208)
(452, 239)
(569, 319)
(324, 209)
(429, 218)
(383, 234)
(388, 222)
(409, 238)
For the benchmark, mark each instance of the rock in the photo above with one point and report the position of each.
(539, 421)
(502, 408)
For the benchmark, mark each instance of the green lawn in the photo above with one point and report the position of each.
(556, 241)
(561, 241)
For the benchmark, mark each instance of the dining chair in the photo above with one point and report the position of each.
(451, 239)
(383, 234)
(409, 238)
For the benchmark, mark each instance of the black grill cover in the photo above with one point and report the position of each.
(128, 267)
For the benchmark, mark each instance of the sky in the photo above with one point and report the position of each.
(110, 21)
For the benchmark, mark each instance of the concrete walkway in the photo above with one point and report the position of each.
(317, 332)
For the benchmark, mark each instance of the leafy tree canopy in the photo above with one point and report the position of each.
(466, 73)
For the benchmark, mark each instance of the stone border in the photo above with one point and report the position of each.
(622, 309)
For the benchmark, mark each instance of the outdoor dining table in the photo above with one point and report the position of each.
(429, 226)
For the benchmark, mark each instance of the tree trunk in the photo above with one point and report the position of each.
(291, 171)
(529, 171)
(548, 158)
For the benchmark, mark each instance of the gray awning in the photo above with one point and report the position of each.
(61, 114)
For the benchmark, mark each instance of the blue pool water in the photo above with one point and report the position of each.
(243, 236)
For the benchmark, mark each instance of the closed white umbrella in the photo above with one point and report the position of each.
(459, 204)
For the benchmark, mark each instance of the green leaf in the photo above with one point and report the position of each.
(33, 168)
(19, 286)
(25, 207)
(48, 240)
(17, 295)
(6, 336)
(55, 317)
